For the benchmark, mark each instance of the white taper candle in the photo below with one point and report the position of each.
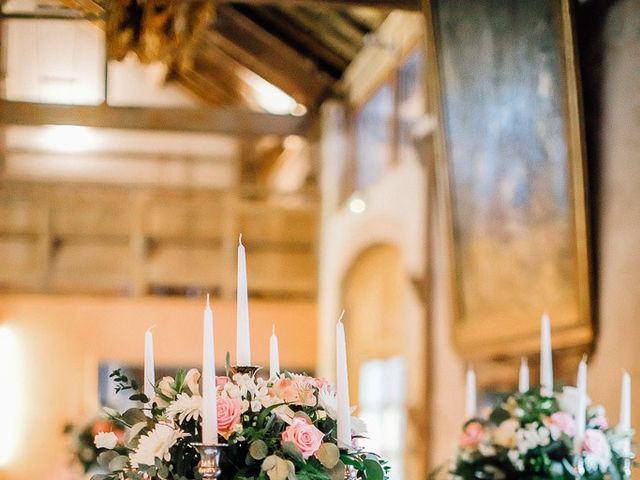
(471, 404)
(243, 337)
(546, 355)
(624, 423)
(274, 355)
(344, 406)
(523, 378)
(149, 367)
(209, 402)
(581, 408)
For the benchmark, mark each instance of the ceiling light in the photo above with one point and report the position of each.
(357, 205)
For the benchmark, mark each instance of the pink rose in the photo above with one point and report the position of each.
(564, 422)
(600, 422)
(595, 443)
(472, 435)
(229, 412)
(221, 381)
(306, 437)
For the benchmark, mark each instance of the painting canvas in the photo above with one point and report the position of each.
(515, 175)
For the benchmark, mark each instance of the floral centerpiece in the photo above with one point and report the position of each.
(278, 429)
(532, 435)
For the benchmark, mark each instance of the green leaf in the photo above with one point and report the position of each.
(329, 455)
(105, 458)
(118, 463)
(337, 472)
(100, 476)
(139, 397)
(290, 449)
(258, 450)
(133, 416)
(373, 470)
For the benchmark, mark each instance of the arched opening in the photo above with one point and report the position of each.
(385, 331)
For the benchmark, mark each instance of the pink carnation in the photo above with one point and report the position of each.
(229, 412)
(472, 435)
(595, 443)
(305, 436)
(564, 422)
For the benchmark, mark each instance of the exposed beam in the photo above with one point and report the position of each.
(387, 4)
(270, 57)
(211, 120)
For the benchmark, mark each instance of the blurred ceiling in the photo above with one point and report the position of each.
(239, 54)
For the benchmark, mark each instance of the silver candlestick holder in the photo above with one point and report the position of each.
(250, 370)
(209, 466)
(627, 463)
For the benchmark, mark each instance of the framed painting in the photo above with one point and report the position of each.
(512, 172)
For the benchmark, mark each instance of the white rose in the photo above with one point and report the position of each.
(568, 400)
(106, 440)
(192, 378)
(167, 387)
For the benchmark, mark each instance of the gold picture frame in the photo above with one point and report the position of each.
(550, 266)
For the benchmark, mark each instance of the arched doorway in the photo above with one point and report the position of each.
(387, 357)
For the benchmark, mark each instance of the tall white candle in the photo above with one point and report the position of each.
(471, 405)
(243, 339)
(624, 424)
(149, 367)
(344, 407)
(523, 379)
(209, 404)
(581, 413)
(546, 356)
(274, 355)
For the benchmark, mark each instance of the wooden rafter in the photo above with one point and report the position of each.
(386, 4)
(269, 56)
(213, 120)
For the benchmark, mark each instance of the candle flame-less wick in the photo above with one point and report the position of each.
(240, 240)
(208, 305)
(341, 317)
(152, 327)
(273, 329)
(584, 357)
(524, 361)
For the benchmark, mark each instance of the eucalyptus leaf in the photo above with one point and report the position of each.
(105, 457)
(131, 438)
(133, 416)
(118, 463)
(337, 472)
(258, 450)
(329, 455)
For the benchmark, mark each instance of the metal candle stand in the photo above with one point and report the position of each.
(250, 370)
(209, 466)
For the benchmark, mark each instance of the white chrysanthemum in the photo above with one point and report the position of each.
(328, 401)
(185, 407)
(156, 444)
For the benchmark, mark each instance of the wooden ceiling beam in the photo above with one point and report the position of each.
(205, 120)
(386, 4)
(270, 57)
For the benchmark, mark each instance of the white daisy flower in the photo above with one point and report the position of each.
(156, 444)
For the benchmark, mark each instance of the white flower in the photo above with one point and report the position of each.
(156, 444)
(568, 400)
(191, 379)
(516, 461)
(185, 407)
(358, 427)
(106, 440)
(256, 406)
(328, 401)
(486, 450)
(505, 434)
(167, 387)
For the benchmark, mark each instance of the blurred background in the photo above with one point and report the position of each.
(360, 148)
